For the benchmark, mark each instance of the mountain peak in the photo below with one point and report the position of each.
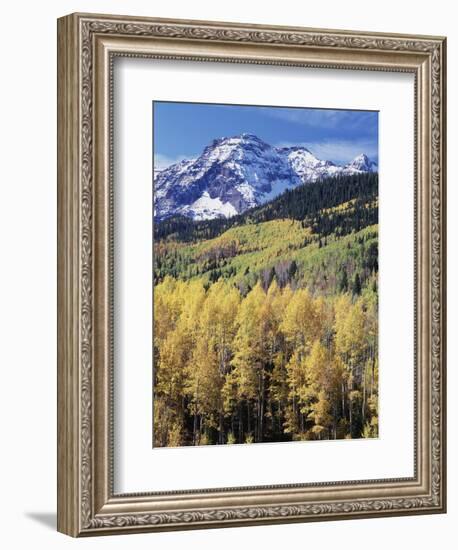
(240, 172)
(224, 147)
(362, 163)
(294, 148)
(244, 137)
(249, 137)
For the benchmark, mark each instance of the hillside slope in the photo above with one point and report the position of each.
(322, 236)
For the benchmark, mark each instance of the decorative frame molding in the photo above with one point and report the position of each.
(87, 45)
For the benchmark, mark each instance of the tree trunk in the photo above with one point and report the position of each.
(350, 406)
(271, 408)
(350, 403)
(240, 423)
(261, 410)
(335, 420)
(372, 375)
(194, 428)
(220, 429)
(343, 400)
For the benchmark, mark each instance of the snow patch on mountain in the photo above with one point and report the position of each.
(206, 208)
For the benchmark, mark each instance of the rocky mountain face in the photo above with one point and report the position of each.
(234, 174)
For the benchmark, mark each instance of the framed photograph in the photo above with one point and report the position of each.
(251, 285)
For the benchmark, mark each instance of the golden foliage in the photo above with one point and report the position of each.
(273, 365)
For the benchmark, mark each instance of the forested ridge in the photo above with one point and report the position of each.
(265, 324)
(298, 204)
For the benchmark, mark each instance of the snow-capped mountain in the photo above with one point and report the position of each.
(307, 166)
(361, 163)
(236, 173)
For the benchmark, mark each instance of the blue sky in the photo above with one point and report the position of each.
(183, 130)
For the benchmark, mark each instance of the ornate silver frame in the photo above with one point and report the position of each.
(87, 45)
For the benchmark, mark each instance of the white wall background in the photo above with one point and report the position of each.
(28, 273)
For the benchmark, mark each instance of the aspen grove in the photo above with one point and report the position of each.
(275, 365)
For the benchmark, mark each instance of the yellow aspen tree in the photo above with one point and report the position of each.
(204, 387)
(250, 355)
(301, 323)
(170, 377)
(297, 400)
(324, 377)
(350, 342)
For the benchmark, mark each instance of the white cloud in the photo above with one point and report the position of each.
(322, 118)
